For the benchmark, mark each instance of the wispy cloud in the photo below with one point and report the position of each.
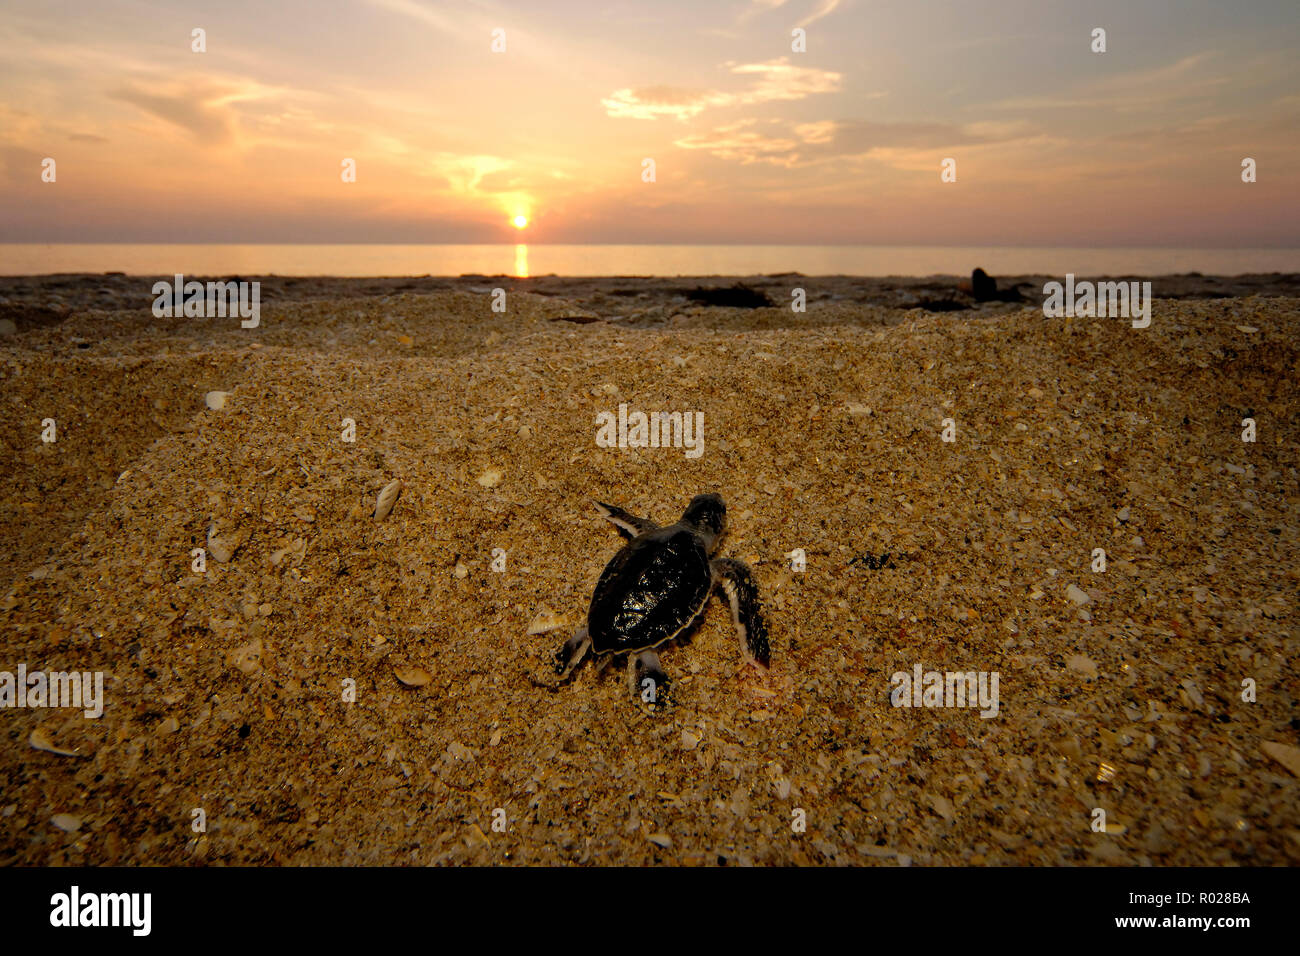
(465, 173)
(805, 144)
(824, 8)
(755, 8)
(819, 9)
(779, 80)
(653, 102)
(198, 106)
(739, 142)
(773, 81)
(1192, 77)
(426, 15)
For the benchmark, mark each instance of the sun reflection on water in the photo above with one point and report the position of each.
(521, 261)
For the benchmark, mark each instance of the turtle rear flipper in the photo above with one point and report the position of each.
(628, 525)
(647, 678)
(736, 581)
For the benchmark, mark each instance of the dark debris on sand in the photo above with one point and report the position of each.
(738, 296)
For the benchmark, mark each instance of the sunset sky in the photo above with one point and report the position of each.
(1054, 144)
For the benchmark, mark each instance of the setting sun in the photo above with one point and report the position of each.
(520, 221)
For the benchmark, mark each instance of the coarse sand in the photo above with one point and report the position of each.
(230, 691)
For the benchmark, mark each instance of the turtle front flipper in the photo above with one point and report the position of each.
(737, 582)
(571, 654)
(628, 525)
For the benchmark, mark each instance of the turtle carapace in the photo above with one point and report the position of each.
(657, 587)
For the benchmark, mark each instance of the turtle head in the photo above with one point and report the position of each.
(707, 515)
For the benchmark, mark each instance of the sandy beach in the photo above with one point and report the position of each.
(227, 691)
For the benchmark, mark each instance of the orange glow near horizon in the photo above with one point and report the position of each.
(332, 136)
(521, 261)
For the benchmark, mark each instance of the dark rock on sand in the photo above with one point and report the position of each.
(738, 296)
(982, 287)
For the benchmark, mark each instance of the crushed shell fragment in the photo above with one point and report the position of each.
(40, 740)
(387, 498)
(1077, 595)
(66, 822)
(413, 676)
(545, 620)
(222, 547)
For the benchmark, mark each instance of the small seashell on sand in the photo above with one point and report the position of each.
(222, 547)
(690, 739)
(387, 498)
(1077, 595)
(216, 400)
(40, 740)
(491, 477)
(412, 676)
(66, 822)
(660, 840)
(544, 620)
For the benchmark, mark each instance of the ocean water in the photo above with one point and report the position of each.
(531, 260)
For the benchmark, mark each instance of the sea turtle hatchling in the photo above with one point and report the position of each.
(656, 588)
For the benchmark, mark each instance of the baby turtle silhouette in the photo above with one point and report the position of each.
(657, 587)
